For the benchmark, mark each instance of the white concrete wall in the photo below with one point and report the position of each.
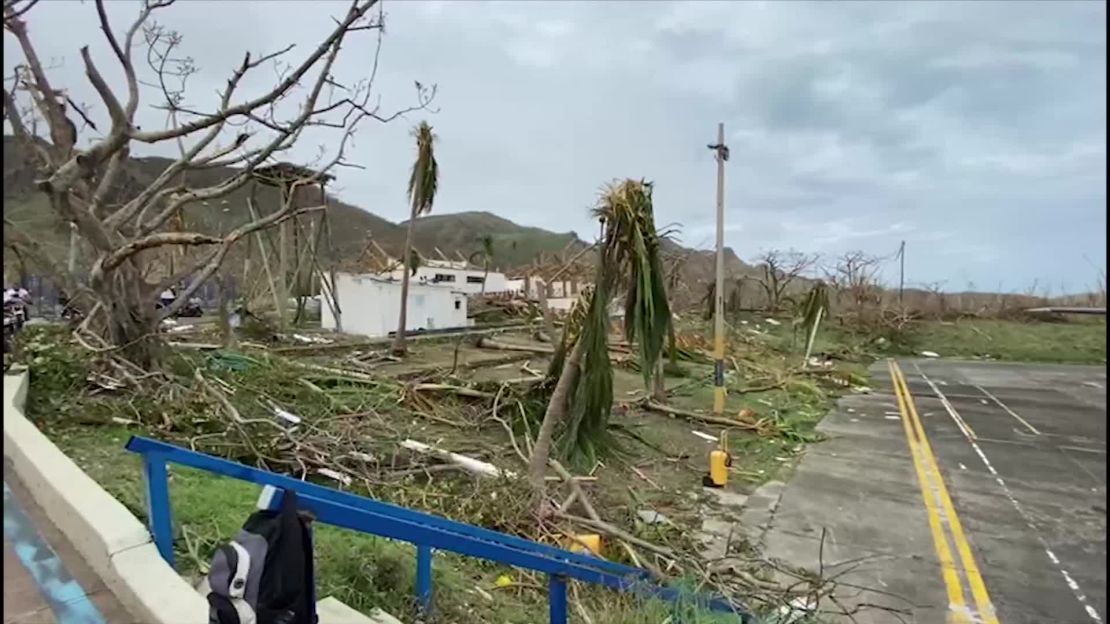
(559, 288)
(370, 306)
(564, 304)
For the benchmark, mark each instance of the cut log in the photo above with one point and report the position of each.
(490, 343)
(474, 466)
(695, 416)
(459, 390)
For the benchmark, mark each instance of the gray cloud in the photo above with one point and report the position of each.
(975, 131)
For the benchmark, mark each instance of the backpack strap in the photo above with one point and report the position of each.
(230, 568)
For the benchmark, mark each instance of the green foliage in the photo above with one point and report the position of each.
(485, 252)
(632, 245)
(591, 400)
(58, 370)
(630, 262)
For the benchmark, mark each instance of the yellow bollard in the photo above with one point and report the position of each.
(587, 542)
(719, 463)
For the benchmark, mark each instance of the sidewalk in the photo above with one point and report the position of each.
(45, 580)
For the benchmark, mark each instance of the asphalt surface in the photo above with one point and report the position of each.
(1020, 451)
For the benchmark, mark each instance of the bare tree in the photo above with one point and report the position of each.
(936, 290)
(778, 270)
(855, 274)
(124, 226)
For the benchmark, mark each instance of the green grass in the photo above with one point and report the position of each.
(363, 571)
(1072, 342)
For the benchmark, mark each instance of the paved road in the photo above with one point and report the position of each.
(45, 580)
(976, 494)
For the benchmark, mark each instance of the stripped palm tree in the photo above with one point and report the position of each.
(423, 184)
(486, 253)
(814, 307)
(629, 260)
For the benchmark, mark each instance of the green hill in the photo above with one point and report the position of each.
(459, 233)
(513, 245)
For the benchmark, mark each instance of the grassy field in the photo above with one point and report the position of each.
(1072, 342)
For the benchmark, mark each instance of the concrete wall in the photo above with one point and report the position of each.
(559, 288)
(563, 305)
(371, 305)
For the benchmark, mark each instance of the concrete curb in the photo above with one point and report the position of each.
(112, 541)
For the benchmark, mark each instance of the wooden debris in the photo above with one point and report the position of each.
(475, 466)
(490, 343)
(459, 390)
(695, 416)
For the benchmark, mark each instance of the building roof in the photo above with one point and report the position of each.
(395, 282)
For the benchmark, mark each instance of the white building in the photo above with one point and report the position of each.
(370, 306)
(531, 286)
(459, 276)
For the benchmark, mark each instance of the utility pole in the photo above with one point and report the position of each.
(901, 273)
(719, 291)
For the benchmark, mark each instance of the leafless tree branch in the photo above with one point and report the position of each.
(124, 226)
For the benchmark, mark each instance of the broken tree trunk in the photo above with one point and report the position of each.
(459, 390)
(555, 413)
(658, 383)
(695, 416)
(548, 316)
(490, 343)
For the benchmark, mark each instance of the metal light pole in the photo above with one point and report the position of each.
(901, 274)
(719, 291)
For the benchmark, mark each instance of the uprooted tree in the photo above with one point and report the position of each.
(82, 171)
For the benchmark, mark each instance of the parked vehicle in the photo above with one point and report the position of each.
(15, 314)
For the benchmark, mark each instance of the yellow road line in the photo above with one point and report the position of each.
(958, 613)
(971, 569)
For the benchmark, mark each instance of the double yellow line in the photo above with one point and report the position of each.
(943, 521)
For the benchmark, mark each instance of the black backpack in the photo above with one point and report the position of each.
(265, 574)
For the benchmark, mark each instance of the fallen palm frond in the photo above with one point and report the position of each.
(586, 433)
(632, 241)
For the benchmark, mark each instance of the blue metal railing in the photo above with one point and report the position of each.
(425, 531)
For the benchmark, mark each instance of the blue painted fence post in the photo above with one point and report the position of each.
(424, 578)
(557, 598)
(159, 515)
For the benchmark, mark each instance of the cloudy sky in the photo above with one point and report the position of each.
(976, 132)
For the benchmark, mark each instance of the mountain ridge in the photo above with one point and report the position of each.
(454, 234)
